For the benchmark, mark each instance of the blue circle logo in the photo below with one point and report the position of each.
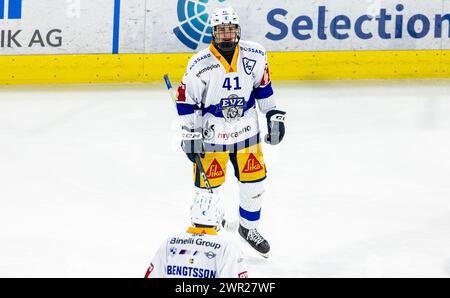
(195, 26)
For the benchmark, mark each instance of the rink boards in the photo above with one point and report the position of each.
(283, 65)
(139, 41)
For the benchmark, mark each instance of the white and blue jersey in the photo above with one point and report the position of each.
(222, 98)
(198, 253)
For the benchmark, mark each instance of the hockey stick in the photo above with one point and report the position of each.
(229, 226)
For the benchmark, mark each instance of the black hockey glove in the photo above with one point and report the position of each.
(275, 126)
(192, 143)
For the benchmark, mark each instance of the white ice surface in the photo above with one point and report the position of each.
(92, 180)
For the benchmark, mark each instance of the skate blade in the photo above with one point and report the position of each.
(265, 256)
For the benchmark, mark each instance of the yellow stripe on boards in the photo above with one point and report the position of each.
(359, 65)
(49, 69)
(56, 69)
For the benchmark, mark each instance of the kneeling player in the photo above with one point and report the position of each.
(199, 252)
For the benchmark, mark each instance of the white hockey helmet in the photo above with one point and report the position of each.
(226, 31)
(207, 210)
(224, 16)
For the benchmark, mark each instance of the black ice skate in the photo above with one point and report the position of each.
(255, 240)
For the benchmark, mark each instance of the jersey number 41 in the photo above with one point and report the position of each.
(227, 84)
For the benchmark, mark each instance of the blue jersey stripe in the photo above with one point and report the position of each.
(185, 109)
(264, 92)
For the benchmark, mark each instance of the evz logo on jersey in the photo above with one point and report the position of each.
(232, 107)
(249, 65)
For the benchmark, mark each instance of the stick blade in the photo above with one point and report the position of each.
(167, 80)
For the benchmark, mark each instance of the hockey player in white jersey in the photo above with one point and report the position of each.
(199, 252)
(218, 97)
